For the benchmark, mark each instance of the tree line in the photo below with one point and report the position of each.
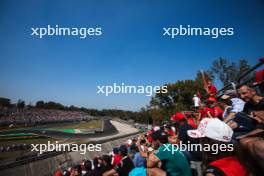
(162, 105)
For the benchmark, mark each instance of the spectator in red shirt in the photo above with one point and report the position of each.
(150, 136)
(216, 111)
(190, 120)
(117, 157)
(211, 89)
(204, 112)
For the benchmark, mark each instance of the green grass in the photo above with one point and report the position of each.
(76, 125)
(82, 125)
(93, 124)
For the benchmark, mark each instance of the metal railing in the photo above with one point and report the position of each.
(239, 82)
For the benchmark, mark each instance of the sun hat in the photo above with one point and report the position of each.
(212, 128)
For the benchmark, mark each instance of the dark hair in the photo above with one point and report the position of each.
(88, 165)
(123, 150)
(183, 120)
(208, 156)
(96, 162)
(227, 101)
(168, 126)
(161, 136)
(78, 168)
(115, 150)
(143, 141)
(107, 159)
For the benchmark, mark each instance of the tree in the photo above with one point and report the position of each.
(228, 71)
(178, 98)
(5, 102)
(143, 116)
(53, 105)
(20, 104)
(30, 106)
(157, 115)
(40, 104)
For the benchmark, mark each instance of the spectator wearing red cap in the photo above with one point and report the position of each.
(183, 127)
(177, 116)
(211, 89)
(216, 110)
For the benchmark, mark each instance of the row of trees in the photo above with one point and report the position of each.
(5, 102)
(180, 94)
(178, 98)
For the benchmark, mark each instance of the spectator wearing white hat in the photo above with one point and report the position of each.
(213, 131)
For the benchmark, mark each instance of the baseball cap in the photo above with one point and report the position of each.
(212, 128)
(211, 99)
(177, 116)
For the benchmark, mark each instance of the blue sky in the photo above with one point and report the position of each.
(131, 50)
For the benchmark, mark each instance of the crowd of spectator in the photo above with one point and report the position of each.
(235, 119)
(15, 147)
(10, 116)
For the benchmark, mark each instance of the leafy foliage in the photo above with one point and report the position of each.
(228, 71)
(5, 102)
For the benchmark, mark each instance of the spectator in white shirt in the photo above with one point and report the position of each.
(196, 101)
